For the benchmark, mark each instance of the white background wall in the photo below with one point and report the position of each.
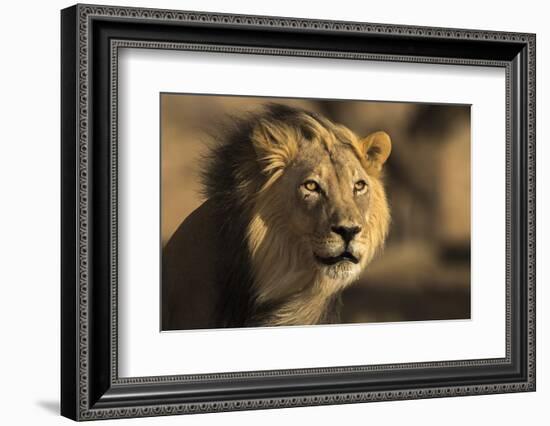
(29, 211)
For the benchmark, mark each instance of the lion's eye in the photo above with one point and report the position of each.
(312, 186)
(360, 185)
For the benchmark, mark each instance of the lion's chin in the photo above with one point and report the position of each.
(345, 271)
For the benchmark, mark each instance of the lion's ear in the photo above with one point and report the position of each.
(275, 145)
(376, 148)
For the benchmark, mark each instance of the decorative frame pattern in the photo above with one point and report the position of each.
(91, 400)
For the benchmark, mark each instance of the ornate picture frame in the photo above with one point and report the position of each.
(91, 38)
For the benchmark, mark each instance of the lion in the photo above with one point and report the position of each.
(295, 210)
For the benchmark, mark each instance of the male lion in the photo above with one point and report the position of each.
(295, 210)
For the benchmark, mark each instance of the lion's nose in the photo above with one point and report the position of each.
(346, 232)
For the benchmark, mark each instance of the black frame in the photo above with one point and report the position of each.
(91, 37)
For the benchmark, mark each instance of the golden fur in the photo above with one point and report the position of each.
(282, 242)
(295, 210)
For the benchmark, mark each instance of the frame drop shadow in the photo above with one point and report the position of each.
(51, 406)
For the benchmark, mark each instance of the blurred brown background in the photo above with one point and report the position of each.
(424, 271)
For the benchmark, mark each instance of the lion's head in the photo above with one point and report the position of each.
(314, 206)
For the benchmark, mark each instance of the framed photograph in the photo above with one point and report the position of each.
(263, 212)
